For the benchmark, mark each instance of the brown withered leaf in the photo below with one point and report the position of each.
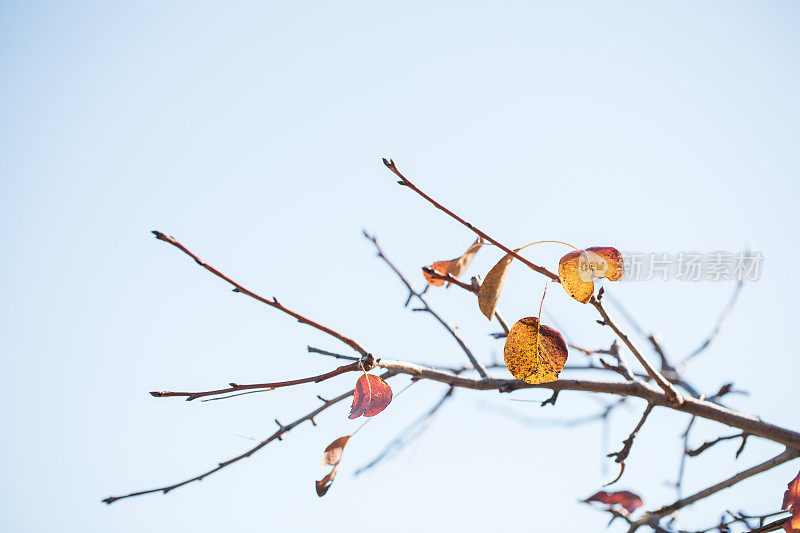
(331, 456)
(791, 501)
(454, 267)
(534, 353)
(372, 395)
(628, 500)
(333, 453)
(578, 268)
(492, 286)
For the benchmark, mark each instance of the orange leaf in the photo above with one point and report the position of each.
(492, 286)
(791, 500)
(372, 395)
(534, 353)
(578, 268)
(454, 267)
(331, 456)
(628, 500)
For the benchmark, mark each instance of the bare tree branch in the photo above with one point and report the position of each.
(787, 455)
(272, 303)
(720, 321)
(278, 435)
(352, 367)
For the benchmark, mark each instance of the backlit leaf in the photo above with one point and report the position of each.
(791, 501)
(331, 456)
(534, 354)
(578, 268)
(372, 395)
(333, 453)
(628, 500)
(492, 286)
(454, 267)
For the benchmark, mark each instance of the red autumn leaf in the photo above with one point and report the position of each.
(454, 267)
(331, 456)
(628, 500)
(791, 501)
(372, 395)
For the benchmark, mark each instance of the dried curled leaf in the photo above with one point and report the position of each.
(534, 353)
(578, 268)
(331, 456)
(791, 501)
(628, 500)
(372, 395)
(454, 267)
(492, 286)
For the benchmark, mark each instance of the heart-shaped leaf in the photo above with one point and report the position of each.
(534, 353)
(372, 395)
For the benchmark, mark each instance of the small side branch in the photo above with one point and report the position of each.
(706, 445)
(272, 303)
(620, 456)
(785, 456)
(234, 387)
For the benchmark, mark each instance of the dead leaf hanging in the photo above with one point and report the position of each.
(492, 286)
(455, 267)
(372, 395)
(331, 456)
(578, 268)
(534, 353)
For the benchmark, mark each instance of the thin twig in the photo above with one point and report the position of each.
(335, 355)
(405, 437)
(706, 445)
(720, 321)
(272, 303)
(622, 454)
(783, 457)
(352, 367)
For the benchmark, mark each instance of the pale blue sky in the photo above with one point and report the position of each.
(253, 132)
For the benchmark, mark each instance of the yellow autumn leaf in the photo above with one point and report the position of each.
(578, 268)
(534, 353)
